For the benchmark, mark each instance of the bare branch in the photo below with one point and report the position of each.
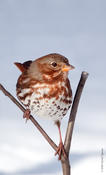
(49, 140)
(66, 167)
(73, 112)
(65, 162)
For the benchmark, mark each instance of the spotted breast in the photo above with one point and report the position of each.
(46, 100)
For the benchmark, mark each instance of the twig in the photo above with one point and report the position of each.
(73, 112)
(69, 132)
(49, 140)
(68, 138)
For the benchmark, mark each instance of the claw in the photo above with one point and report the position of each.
(61, 151)
(27, 114)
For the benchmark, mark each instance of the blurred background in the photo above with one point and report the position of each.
(77, 29)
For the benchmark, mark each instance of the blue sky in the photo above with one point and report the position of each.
(30, 29)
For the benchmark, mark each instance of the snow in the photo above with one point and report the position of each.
(24, 151)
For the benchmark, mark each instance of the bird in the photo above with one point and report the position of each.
(44, 89)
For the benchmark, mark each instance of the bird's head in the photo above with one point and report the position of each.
(48, 67)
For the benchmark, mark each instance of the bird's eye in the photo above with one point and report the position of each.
(54, 64)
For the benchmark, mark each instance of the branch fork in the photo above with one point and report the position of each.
(68, 138)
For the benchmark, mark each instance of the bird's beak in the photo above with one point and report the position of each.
(66, 68)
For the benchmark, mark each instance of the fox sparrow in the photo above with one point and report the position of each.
(44, 88)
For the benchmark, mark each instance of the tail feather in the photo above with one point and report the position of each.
(23, 66)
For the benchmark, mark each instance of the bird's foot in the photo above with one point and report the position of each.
(60, 151)
(27, 114)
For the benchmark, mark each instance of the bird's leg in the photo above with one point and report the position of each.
(60, 149)
(27, 114)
